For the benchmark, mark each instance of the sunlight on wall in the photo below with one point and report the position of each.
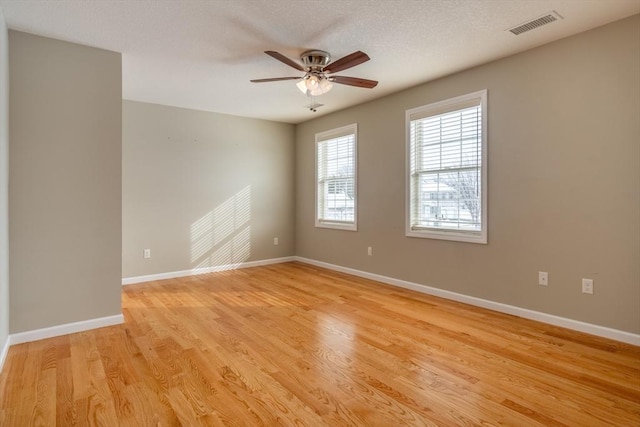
(222, 237)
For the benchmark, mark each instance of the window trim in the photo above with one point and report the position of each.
(351, 129)
(435, 109)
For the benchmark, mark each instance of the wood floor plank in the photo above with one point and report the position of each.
(294, 344)
(65, 409)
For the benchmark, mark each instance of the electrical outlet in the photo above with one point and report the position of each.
(543, 278)
(587, 286)
(147, 253)
(275, 241)
(370, 251)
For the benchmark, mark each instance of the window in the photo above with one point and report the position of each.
(336, 205)
(447, 169)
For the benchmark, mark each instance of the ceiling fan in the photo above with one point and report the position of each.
(318, 69)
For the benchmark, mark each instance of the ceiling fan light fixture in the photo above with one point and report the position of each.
(302, 85)
(323, 87)
(314, 85)
(312, 82)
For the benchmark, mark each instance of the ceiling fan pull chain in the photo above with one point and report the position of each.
(312, 106)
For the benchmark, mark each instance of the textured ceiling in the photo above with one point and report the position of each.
(202, 54)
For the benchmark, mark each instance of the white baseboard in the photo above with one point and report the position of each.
(204, 270)
(575, 325)
(68, 328)
(3, 355)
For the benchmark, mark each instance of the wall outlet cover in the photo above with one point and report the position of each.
(587, 286)
(543, 278)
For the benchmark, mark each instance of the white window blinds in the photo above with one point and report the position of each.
(446, 175)
(336, 178)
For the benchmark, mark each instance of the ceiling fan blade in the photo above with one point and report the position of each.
(280, 57)
(354, 81)
(274, 79)
(348, 61)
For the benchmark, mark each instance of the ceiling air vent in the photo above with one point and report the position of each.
(545, 19)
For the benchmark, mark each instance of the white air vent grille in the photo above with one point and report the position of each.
(545, 19)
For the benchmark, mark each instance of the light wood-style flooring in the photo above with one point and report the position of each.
(296, 345)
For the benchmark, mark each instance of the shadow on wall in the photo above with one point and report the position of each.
(222, 237)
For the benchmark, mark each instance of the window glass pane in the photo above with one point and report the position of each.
(449, 200)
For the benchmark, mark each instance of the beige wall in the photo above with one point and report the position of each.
(4, 184)
(64, 182)
(203, 189)
(564, 183)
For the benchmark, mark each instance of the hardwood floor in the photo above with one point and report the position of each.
(292, 344)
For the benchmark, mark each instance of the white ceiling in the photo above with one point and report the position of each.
(201, 54)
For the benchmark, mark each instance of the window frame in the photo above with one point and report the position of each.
(433, 109)
(321, 137)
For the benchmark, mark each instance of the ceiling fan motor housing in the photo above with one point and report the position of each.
(315, 60)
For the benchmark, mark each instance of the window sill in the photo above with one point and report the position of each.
(456, 236)
(337, 226)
